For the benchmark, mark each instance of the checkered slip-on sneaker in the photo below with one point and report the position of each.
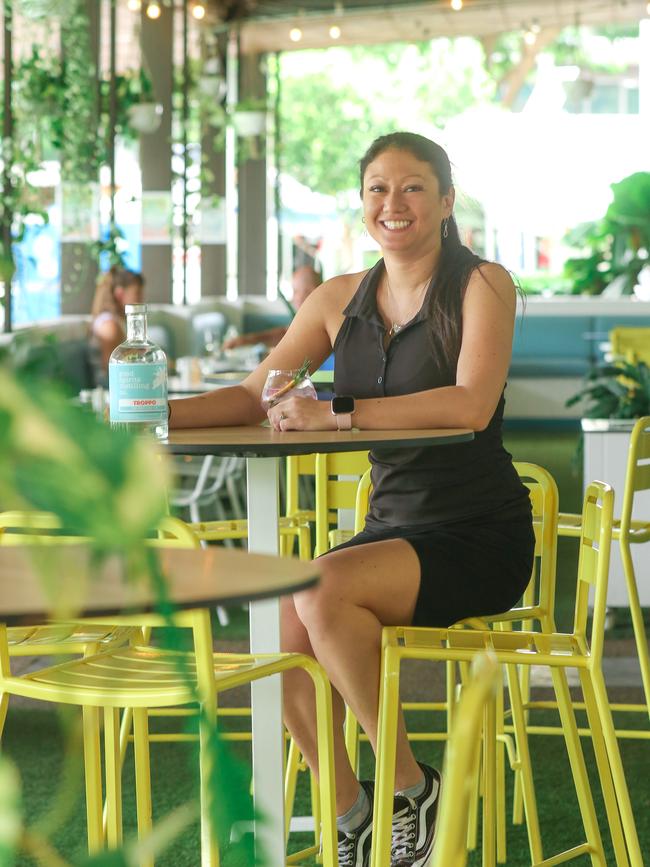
(414, 823)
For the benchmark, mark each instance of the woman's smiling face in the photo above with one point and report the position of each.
(402, 204)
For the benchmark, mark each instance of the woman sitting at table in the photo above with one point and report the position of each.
(115, 289)
(421, 340)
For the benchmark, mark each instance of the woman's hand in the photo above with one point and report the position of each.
(302, 413)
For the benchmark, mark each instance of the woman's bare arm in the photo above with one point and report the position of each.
(488, 321)
(308, 336)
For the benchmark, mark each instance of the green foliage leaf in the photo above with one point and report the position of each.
(620, 390)
(118, 493)
(10, 811)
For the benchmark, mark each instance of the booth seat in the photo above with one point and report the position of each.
(63, 352)
(556, 343)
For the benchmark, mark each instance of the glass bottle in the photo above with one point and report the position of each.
(137, 379)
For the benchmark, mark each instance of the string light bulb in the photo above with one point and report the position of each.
(198, 11)
(153, 10)
(335, 31)
(530, 37)
(133, 5)
(456, 5)
(295, 34)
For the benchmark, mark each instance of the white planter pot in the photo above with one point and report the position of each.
(605, 459)
(145, 117)
(213, 86)
(249, 123)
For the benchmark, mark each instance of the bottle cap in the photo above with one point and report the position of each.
(135, 308)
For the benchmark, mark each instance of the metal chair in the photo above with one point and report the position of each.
(461, 759)
(537, 606)
(628, 531)
(337, 478)
(581, 649)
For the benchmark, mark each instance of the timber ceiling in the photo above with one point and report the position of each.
(265, 24)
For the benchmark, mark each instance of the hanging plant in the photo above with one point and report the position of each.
(80, 152)
(133, 89)
(39, 103)
(36, 10)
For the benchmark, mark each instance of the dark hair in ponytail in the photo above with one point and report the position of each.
(456, 260)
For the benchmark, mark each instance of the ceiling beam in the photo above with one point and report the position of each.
(421, 21)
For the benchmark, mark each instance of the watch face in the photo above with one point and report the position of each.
(342, 403)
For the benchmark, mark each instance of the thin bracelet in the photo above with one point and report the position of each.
(169, 412)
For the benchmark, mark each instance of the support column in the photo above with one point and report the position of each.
(155, 148)
(252, 192)
(213, 251)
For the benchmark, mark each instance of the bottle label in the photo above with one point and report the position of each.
(138, 392)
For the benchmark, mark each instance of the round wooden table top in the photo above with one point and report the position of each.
(61, 581)
(260, 441)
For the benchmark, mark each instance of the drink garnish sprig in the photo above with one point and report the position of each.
(301, 374)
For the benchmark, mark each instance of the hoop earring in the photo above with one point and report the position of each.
(363, 219)
(445, 229)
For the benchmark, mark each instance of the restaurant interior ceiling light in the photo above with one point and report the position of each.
(295, 34)
(133, 5)
(198, 11)
(530, 37)
(335, 31)
(456, 5)
(153, 10)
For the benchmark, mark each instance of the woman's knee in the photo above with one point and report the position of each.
(318, 606)
(293, 634)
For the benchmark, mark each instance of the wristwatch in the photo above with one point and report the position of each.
(342, 408)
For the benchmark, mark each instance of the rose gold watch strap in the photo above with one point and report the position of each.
(344, 420)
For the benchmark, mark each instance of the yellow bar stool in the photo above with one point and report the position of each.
(296, 524)
(632, 344)
(628, 532)
(144, 677)
(79, 637)
(580, 649)
(337, 478)
(537, 606)
(461, 758)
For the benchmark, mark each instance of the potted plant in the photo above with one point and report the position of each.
(615, 248)
(138, 109)
(249, 118)
(614, 396)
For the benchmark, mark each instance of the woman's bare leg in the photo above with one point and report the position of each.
(361, 589)
(300, 710)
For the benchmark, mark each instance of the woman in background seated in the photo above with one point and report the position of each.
(115, 289)
(303, 280)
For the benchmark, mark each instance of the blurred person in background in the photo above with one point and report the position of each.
(304, 280)
(115, 289)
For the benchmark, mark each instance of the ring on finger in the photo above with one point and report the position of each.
(282, 416)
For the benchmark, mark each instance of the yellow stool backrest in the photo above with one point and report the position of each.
(637, 476)
(333, 492)
(298, 466)
(593, 565)
(632, 344)
(40, 528)
(460, 764)
(539, 597)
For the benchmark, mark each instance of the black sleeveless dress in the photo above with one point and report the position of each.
(461, 507)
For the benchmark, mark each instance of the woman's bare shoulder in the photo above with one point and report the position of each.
(337, 292)
(494, 276)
